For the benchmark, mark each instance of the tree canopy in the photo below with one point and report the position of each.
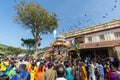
(32, 15)
(37, 19)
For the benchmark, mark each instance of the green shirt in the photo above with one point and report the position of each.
(11, 73)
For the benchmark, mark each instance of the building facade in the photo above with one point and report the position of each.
(101, 39)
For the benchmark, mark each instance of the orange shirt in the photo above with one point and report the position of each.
(39, 74)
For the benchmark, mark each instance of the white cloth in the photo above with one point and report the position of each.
(92, 71)
(19, 63)
(118, 74)
(54, 32)
(25, 62)
(38, 63)
(62, 78)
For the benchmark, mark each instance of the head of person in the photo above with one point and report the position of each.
(60, 71)
(50, 65)
(67, 65)
(20, 60)
(99, 63)
(5, 59)
(22, 67)
(41, 66)
(91, 62)
(82, 64)
(112, 69)
(33, 65)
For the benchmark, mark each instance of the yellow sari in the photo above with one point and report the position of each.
(83, 74)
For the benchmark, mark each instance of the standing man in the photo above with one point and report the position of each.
(20, 62)
(22, 75)
(50, 74)
(101, 71)
(92, 71)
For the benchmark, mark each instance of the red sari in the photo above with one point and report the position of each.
(108, 73)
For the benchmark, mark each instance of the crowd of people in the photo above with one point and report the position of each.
(106, 68)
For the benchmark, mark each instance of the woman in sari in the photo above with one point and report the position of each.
(83, 72)
(32, 71)
(113, 75)
(68, 72)
(40, 71)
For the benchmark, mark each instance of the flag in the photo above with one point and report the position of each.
(54, 33)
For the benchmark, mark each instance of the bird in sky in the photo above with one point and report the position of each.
(115, 0)
(104, 16)
(85, 14)
(115, 6)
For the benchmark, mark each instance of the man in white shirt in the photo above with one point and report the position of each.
(20, 62)
(92, 71)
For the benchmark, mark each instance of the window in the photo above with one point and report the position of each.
(102, 37)
(79, 39)
(117, 35)
(89, 39)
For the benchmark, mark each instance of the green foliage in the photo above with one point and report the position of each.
(46, 48)
(9, 50)
(12, 50)
(29, 43)
(32, 16)
(2, 48)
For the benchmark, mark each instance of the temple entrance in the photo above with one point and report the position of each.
(94, 51)
(73, 54)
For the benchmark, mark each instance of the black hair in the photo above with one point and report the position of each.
(60, 71)
(50, 65)
(67, 65)
(12, 66)
(20, 60)
(23, 66)
(41, 66)
(32, 66)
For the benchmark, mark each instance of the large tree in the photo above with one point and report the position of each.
(37, 19)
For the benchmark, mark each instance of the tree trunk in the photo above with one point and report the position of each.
(36, 49)
(37, 39)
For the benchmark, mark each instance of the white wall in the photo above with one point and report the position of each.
(109, 35)
(70, 40)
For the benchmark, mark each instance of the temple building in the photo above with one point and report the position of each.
(100, 39)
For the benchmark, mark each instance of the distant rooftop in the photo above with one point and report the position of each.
(100, 26)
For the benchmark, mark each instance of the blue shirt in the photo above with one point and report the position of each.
(22, 74)
(101, 70)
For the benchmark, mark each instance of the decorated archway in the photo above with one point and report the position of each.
(72, 53)
(61, 47)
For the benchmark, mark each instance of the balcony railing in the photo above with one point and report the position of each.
(107, 25)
